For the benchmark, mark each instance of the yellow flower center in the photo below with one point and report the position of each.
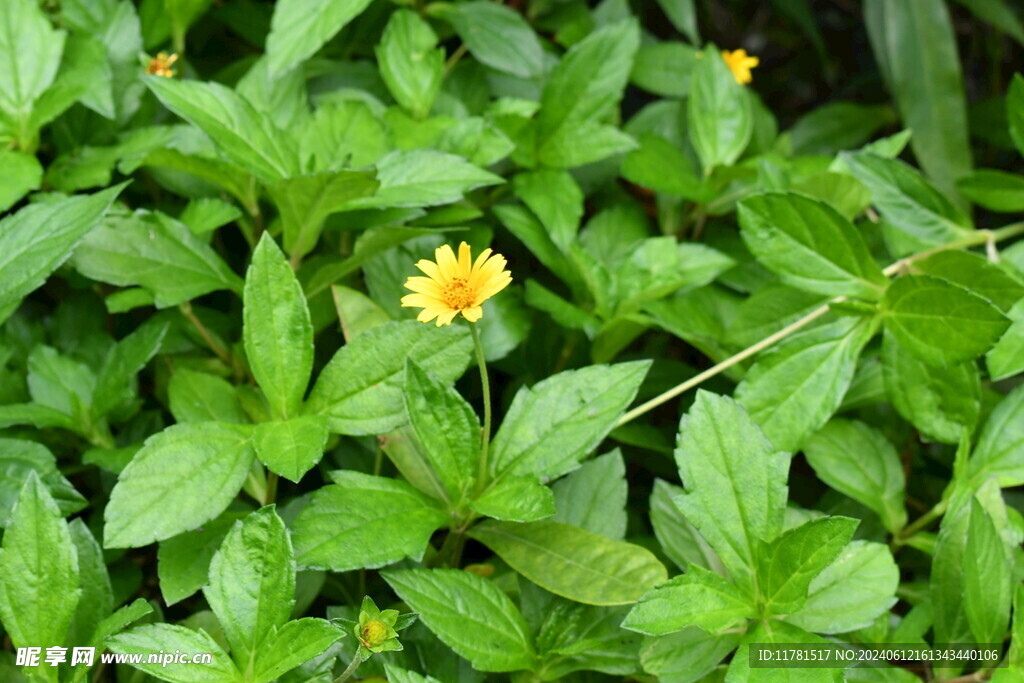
(374, 633)
(458, 294)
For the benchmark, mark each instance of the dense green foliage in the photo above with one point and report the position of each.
(756, 379)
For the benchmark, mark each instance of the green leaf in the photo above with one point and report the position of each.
(939, 402)
(30, 50)
(777, 634)
(292, 645)
(145, 640)
(661, 166)
(20, 173)
(516, 499)
(686, 655)
(908, 201)
(1015, 111)
(809, 246)
(364, 522)
(946, 577)
(858, 461)
(585, 143)
(997, 13)
(38, 570)
(572, 562)
(278, 332)
(60, 383)
(556, 200)
(182, 477)
(851, 592)
(836, 126)
(123, 362)
(665, 68)
(496, 35)
(410, 63)
(183, 561)
(719, 115)
(975, 273)
(916, 51)
(683, 15)
(793, 389)
(987, 577)
(698, 598)
(469, 614)
(551, 426)
(735, 482)
(199, 397)
(360, 390)
(18, 458)
(299, 28)
(1006, 358)
(795, 558)
(679, 540)
(594, 496)
(291, 447)
(306, 201)
(999, 451)
(156, 252)
(994, 190)
(242, 135)
(36, 415)
(446, 427)
(96, 600)
(586, 85)
(26, 260)
(938, 322)
(423, 177)
(252, 583)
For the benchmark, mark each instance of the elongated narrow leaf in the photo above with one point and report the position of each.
(859, 461)
(128, 357)
(30, 51)
(795, 388)
(735, 482)
(594, 496)
(299, 28)
(446, 427)
(810, 246)
(38, 570)
(994, 190)
(697, 598)
(364, 521)
(18, 458)
(552, 425)
(719, 114)
(293, 644)
(360, 390)
(423, 177)
(572, 562)
(916, 49)
(679, 539)
(252, 582)
(987, 577)
(182, 477)
(96, 600)
(38, 238)
(940, 323)
(243, 135)
(469, 614)
(278, 332)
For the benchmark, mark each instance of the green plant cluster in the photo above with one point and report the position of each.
(756, 380)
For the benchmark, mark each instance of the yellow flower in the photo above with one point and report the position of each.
(740, 63)
(456, 286)
(161, 65)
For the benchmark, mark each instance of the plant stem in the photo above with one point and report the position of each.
(921, 522)
(347, 673)
(976, 238)
(271, 488)
(485, 433)
(220, 351)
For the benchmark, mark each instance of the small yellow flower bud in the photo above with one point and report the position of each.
(374, 633)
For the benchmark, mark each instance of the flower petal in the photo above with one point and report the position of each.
(472, 314)
(424, 285)
(446, 317)
(465, 261)
(431, 269)
(446, 262)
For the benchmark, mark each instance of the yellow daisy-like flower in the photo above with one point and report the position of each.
(454, 286)
(740, 63)
(161, 65)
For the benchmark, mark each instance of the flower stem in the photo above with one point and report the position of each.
(978, 237)
(347, 673)
(485, 433)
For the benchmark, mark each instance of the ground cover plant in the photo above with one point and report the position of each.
(548, 340)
